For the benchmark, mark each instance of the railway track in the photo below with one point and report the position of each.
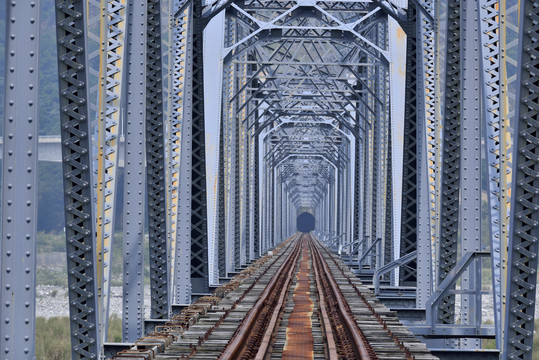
(300, 303)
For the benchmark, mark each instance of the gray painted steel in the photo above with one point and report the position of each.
(183, 255)
(19, 182)
(305, 127)
(80, 221)
(199, 226)
(523, 244)
(155, 166)
(134, 174)
(489, 12)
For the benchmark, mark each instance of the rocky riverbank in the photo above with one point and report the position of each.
(52, 301)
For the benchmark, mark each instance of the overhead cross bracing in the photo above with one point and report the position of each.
(303, 84)
(406, 128)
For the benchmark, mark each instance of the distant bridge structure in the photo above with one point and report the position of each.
(429, 189)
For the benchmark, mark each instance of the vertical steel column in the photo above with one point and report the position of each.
(273, 206)
(451, 158)
(182, 267)
(243, 179)
(229, 159)
(134, 174)
(256, 194)
(19, 179)
(252, 209)
(179, 190)
(470, 179)
(277, 200)
(425, 102)
(489, 26)
(111, 56)
(408, 274)
(357, 187)
(176, 73)
(236, 182)
(80, 236)
(199, 226)
(155, 166)
(523, 242)
(509, 39)
(221, 204)
(388, 231)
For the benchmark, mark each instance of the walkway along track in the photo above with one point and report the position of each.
(302, 303)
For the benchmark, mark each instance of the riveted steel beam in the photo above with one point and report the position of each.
(451, 158)
(134, 174)
(80, 236)
(155, 166)
(111, 60)
(199, 230)
(523, 244)
(489, 26)
(426, 150)
(182, 286)
(19, 182)
(408, 242)
(177, 31)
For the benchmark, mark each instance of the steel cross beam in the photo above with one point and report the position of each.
(19, 182)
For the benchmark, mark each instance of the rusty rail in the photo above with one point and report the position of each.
(379, 319)
(347, 334)
(250, 335)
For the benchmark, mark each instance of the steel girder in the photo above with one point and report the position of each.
(134, 175)
(19, 180)
(74, 121)
(221, 227)
(199, 231)
(470, 180)
(155, 166)
(426, 150)
(408, 273)
(182, 268)
(523, 245)
(451, 158)
(111, 59)
(177, 41)
(489, 28)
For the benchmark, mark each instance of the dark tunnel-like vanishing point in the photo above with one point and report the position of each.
(305, 222)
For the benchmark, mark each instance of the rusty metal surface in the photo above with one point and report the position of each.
(251, 334)
(259, 315)
(400, 344)
(350, 340)
(299, 337)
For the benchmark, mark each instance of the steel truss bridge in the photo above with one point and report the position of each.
(429, 190)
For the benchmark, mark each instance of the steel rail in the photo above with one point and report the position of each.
(381, 321)
(273, 325)
(361, 347)
(324, 314)
(147, 347)
(238, 346)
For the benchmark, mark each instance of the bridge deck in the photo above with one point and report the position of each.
(300, 303)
